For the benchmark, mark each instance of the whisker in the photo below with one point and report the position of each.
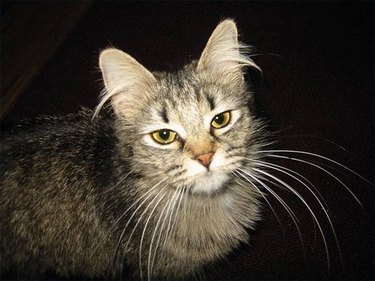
(297, 175)
(282, 170)
(283, 203)
(257, 179)
(121, 180)
(186, 202)
(301, 177)
(143, 213)
(238, 173)
(150, 192)
(149, 266)
(171, 201)
(318, 156)
(171, 211)
(307, 206)
(141, 216)
(143, 234)
(322, 169)
(315, 137)
(135, 203)
(180, 196)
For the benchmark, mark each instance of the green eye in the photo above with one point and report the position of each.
(221, 120)
(164, 136)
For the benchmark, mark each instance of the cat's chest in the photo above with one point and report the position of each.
(208, 228)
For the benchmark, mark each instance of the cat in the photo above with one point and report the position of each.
(165, 176)
(154, 185)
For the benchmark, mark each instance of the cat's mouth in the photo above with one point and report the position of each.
(209, 182)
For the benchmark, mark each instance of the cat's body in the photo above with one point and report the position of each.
(70, 222)
(155, 185)
(52, 195)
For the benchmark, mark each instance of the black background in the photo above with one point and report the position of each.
(318, 92)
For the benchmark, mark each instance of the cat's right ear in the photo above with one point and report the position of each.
(126, 82)
(224, 55)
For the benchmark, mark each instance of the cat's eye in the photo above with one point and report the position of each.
(164, 136)
(221, 120)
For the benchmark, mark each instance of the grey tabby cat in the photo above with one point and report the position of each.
(155, 186)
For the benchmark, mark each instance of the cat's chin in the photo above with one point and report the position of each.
(209, 182)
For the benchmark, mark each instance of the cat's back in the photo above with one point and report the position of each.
(47, 131)
(55, 148)
(49, 171)
(44, 140)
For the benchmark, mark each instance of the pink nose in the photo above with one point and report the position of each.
(205, 159)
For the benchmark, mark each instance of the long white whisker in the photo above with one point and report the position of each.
(315, 137)
(143, 213)
(283, 203)
(186, 202)
(153, 238)
(180, 196)
(141, 216)
(136, 202)
(143, 234)
(296, 174)
(318, 156)
(282, 170)
(238, 172)
(149, 192)
(171, 201)
(322, 169)
(171, 211)
(122, 179)
(307, 206)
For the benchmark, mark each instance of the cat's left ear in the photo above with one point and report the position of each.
(223, 53)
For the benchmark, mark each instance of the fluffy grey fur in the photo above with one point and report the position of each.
(84, 196)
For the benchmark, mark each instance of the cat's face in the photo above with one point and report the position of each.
(192, 127)
(195, 131)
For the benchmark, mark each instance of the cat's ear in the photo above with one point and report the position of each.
(126, 81)
(223, 53)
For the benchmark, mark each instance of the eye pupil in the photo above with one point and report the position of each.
(164, 134)
(221, 120)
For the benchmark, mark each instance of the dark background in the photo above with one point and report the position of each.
(318, 92)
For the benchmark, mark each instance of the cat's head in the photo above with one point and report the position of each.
(192, 127)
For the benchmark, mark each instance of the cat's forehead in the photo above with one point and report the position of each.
(190, 90)
(189, 99)
(181, 100)
(182, 95)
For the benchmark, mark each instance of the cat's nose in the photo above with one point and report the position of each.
(205, 159)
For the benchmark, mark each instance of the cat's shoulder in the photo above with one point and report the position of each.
(72, 125)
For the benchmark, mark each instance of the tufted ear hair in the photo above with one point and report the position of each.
(126, 82)
(223, 54)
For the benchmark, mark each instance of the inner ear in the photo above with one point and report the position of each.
(127, 82)
(224, 55)
(222, 50)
